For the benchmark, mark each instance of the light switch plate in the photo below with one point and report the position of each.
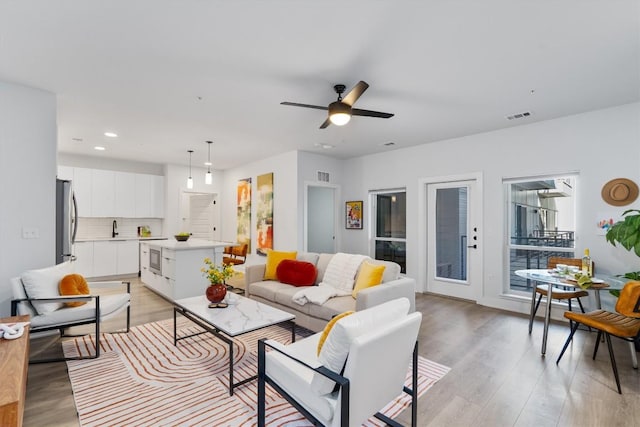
(30, 233)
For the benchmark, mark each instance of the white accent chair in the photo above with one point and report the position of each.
(35, 294)
(377, 345)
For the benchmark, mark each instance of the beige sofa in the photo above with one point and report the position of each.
(314, 317)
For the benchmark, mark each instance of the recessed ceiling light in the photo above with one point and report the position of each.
(325, 146)
(389, 144)
(111, 134)
(208, 163)
(78, 140)
(99, 148)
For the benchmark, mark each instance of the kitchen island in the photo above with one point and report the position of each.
(173, 269)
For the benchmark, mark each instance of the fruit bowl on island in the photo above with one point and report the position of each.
(182, 237)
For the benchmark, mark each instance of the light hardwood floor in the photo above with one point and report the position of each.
(497, 377)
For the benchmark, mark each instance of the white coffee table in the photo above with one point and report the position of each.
(241, 316)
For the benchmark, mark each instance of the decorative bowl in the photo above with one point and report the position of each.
(181, 237)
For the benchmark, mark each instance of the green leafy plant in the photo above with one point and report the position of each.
(626, 232)
(217, 273)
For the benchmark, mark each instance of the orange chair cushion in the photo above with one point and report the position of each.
(612, 323)
(74, 284)
(561, 294)
(629, 300)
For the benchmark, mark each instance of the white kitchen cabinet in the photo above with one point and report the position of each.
(82, 188)
(181, 276)
(103, 193)
(143, 196)
(127, 257)
(83, 264)
(65, 172)
(105, 258)
(125, 195)
(157, 196)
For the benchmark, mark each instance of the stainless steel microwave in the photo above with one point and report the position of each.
(155, 260)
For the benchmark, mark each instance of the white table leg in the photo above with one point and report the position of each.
(634, 357)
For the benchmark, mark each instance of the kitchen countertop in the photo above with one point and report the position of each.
(191, 244)
(116, 239)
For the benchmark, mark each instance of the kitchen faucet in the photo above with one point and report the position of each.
(114, 227)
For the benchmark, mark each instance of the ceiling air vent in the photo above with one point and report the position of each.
(522, 115)
(323, 176)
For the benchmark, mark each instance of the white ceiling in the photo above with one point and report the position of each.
(167, 75)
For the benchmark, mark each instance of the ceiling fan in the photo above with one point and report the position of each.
(340, 111)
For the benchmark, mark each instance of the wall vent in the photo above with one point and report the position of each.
(522, 115)
(323, 176)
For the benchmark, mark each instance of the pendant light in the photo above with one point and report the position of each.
(190, 180)
(208, 178)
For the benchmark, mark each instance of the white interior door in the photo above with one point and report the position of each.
(453, 239)
(321, 228)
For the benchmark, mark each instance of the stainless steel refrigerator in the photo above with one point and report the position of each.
(66, 220)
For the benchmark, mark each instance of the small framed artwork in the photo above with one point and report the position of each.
(353, 219)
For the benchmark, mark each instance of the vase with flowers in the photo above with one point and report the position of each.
(217, 276)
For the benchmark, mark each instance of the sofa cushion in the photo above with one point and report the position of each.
(321, 265)
(311, 257)
(296, 379)
(44, 283)
(391, 270)
(336, 347)
(369, 275)
(109, 304)
(332, 307)
(267, 289)
(341, 271)
(327, 329)
(74, 284)
(296, 273)
(273, 259)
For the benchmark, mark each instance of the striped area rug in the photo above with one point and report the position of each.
(142, 379)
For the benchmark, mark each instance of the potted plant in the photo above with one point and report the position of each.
(217, 276)
(627, 234)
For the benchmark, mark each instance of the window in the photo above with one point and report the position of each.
(541, 224)
(389, 226)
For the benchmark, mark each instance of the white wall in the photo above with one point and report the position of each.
(285, 199)
(599, 145)
(28, 176)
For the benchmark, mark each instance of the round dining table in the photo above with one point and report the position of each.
(553, 278)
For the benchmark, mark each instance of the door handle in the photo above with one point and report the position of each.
(473, 246)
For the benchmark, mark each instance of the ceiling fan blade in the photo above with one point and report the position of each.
(369, 113)
(295, 104)
(325, 124)
(355, 93)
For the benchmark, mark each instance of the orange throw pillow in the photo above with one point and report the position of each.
(74, 284)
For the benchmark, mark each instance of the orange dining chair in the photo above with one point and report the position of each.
(237, 255)
(559, 294)
(624, 324)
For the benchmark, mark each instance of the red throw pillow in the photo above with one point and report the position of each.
(296, 273)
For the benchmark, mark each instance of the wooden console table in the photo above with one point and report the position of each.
(14, 360)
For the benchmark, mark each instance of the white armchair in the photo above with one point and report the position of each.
(35, 293)
(362, 366)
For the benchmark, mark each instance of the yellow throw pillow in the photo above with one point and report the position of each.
(368, 276)
(273, 259)
(327, 329)
(74, 284)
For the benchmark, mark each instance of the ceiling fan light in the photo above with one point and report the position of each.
(339, 113)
